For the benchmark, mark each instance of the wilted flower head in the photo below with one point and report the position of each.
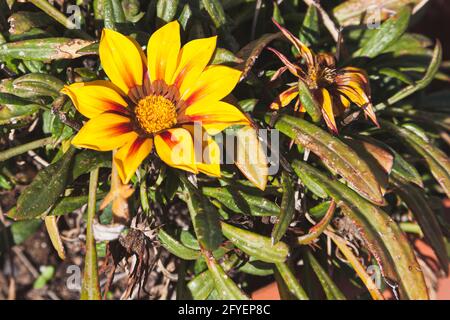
(334, 89)
(155, 101)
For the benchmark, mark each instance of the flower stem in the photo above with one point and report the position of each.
(90, 289)
(45, 6)
(143, 195)
(15, 151)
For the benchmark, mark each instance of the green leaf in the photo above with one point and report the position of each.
(68, 204)
(248, 105)
(277, 15)
(166, 10)
(395, 74)
(311, 183)
(250, 53)
(404, 169)
(225, 286)
(332, 292)
(383, 237)
(201, 286)
(379, 160)
(88, 160)
(241, 202)
(47, 186)
(291, 282)
(185, 16)
(310, 30)
(47, 49)
(389, 32)
(22, 230)
(335, 154)
(429, 75)
(257, 268)
(24, 21)
(359, 12)
(217, 14)
(224, 56)
(255, 245)
(436, 159)
(287, 209)
(90, 286)
(188, 240)
(416, 201)
(176, 248)
(205, 217)
(47, 273)
(37, 84)
(12, 106)
(309, 102)
(131, 9)
(4, 183)
(320, 210)
(318, 228)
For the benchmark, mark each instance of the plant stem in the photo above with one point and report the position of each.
(144, 197)
(15, 151)
(54, 13)
(90, 289)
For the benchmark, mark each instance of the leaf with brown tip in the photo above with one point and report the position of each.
(251, 158)
(338, 156)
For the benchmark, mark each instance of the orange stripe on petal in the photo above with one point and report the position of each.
(176, 148)
(355, 94)
(284, 98)
(300, 46)
(129, 157)
(105, 132)
(327, 110)
(291, 67)
(193, 58)
(208, 158)
(121, 59)
(93, 98)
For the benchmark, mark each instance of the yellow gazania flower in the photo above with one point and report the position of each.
(155, 100)
(333, 89)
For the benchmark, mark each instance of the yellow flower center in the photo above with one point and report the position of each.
(155, 113)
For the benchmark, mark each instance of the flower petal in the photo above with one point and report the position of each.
(300, 46)
(210, 163)
(295, 70)
(284, 98)
(93, 98)
(347, 74)
(345, 103)
(176, 148)
(215, 83)
(327, 110)
(206, 151)
(130, 156)
(356, 94)
(162, 52)
(215, 116)
(121, 59)
(193, 58)
(105, 132)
